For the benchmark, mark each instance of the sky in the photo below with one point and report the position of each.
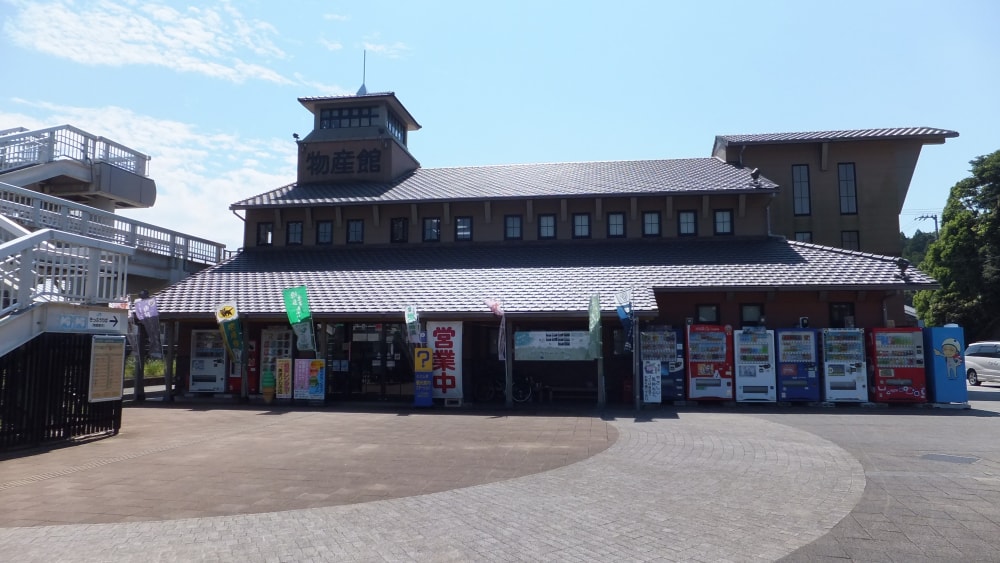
(209, 90)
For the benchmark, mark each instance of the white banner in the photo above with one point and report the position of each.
(445, 340)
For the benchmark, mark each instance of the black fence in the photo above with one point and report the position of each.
(44, 388)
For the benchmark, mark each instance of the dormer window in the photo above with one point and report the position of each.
(343, 118)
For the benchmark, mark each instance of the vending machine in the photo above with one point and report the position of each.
(663, 351)
(710, 362)
(897, 365)
(798, 364)
(753, 357)
(845, 375)
(945, 364)
(208, 361)
(275, 344)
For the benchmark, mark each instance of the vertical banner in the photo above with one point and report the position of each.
(445, 341)
(299, 316)
(309, 379)
(147, 314)
(652, 382)
(412, 325)
(283, 378)
(623, 304)
(496, 307)
(228, 318)
(595, 326)
(423, 374)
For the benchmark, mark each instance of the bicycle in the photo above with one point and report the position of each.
(494, 388)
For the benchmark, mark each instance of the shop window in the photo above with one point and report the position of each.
(399, 229)
(355, 231)
(581, 225)
(841, 315)
(265, 234)
(512, 227)
(616, 225)
(723, 221)
(651, 224)
(800, 189)
(432, 229)
(848, 188)
(850, 240)
(324, 232)
(546, 227)
(707, 314)
(751, 314)
(463, 228)
(293, 233)
(687, 223)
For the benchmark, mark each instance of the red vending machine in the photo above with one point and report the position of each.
(896, 365)
(710, 362)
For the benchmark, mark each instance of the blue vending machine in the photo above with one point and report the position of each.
(945, 365)
(662, 350)
(798, 364)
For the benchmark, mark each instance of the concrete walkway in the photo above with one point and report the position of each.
(744, 483)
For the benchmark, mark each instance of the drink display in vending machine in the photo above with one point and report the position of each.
(753, 356)
(944, 347)
(897, 365)
(208, 361)
(845, 375)
(710, 364)
(798, 364)
(663, 353)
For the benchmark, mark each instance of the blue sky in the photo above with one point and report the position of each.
(209, 89)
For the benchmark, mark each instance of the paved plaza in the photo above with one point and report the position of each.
(202, 481)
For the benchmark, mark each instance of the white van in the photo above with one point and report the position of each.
(982, 362)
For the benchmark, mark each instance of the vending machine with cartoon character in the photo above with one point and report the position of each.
(753, 356)
(845, 372)
(710, 362)
(798, 364)
(896, 365)
(945, 364)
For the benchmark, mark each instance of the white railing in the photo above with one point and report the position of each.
(50, 265)
(40, 211)
(19, 147)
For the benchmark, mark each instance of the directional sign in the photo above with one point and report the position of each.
(102, 321)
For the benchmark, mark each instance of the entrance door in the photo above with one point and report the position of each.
(379, 363)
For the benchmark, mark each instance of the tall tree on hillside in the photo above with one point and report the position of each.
(914, 249)
(966, 257)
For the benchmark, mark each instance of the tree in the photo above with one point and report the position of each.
(965, 260)
(914, 249)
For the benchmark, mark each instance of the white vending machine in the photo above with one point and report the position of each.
(754, 361)
(845, 372)
(208, 362)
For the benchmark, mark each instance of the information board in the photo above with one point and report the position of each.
(107, 368)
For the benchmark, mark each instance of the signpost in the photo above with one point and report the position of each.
(423, 372)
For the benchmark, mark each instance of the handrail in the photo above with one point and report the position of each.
(51, 265)
(38, 210)
(40, 146)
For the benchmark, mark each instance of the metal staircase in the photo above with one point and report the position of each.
(63, 260)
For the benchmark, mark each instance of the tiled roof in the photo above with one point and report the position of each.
(528, 278)
(927, 133)
(581, 179)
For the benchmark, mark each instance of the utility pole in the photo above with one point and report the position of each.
(935, 223)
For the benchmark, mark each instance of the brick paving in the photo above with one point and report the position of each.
(692, 483)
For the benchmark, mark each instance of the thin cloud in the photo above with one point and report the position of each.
(395, 50)
(331, 45)
(212, 41)
(336, 17)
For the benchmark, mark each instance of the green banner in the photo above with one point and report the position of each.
(296, 304)
(595, 326)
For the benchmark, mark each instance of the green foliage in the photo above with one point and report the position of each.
(914, 249)
(965, 260)
(152, 368)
